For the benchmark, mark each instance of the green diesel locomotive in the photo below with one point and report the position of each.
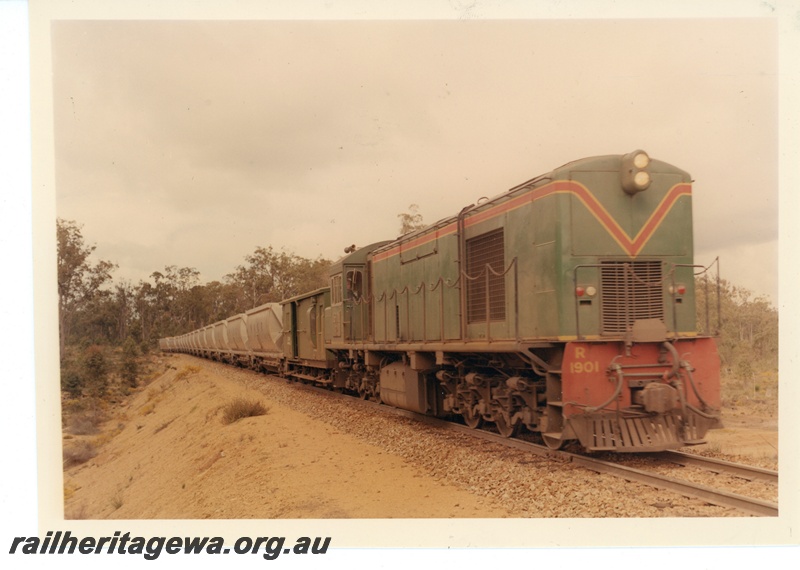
(564, 306)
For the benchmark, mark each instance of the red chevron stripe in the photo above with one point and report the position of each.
(658, 215)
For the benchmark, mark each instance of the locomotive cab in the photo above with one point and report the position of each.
(350, 311)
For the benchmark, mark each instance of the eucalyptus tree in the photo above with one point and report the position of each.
(80, 279)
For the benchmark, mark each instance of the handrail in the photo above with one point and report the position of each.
(440, 284)
(706, 269)
(669, 275)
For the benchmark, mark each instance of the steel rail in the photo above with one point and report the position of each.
(714, 496)
(717, 497)
(719, 466)
(710, 495)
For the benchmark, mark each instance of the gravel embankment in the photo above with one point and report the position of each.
(525, 485)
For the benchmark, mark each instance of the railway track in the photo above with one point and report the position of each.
(711, 495)
(719, 497)
(719, 466)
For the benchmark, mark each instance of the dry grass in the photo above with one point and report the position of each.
(154, 396)
(241, 408)
(117, 500)
(80, 452)
(757, 394)
(164, 425)
(84, 423)
(104, 438)
(187, 371)
(69, 491)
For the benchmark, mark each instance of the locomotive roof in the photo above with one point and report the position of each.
(611, 163)
(607, 163)
(358, 257)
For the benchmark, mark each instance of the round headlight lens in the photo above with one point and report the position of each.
(641, 179)
(641, 160)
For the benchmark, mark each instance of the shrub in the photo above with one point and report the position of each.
(242, 408)
(95, 367)
(129, 367)
(187, 371)
(79, 453)
(71, 382)
(84, 423)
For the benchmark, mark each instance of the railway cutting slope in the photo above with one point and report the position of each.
(169, 456)
(172, 457)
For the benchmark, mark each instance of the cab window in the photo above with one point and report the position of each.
(354, 285)
(336, 289)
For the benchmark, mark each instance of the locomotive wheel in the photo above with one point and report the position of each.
(504, 428)
(472, 419)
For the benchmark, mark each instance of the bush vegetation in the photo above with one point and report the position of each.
(242, 408)
(747, 329)
(107, 328)
(79, 452)
(84, 423)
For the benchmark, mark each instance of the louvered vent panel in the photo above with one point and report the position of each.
(630, 291)
(487, 249)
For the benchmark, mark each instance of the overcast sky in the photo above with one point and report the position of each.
(193, 142)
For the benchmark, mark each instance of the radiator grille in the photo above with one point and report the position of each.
(630, 291)
(488, 248)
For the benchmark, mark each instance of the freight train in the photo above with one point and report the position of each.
(564, 306)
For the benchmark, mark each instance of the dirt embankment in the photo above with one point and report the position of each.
(167, 454)
(174, 458)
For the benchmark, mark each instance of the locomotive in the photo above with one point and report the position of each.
(564, 306)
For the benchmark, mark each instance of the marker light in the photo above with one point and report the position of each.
(677, 289)
(591, 291)
(579, 291)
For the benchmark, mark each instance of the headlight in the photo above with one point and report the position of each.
(641, 160)
(633, 174)
(641, 179)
